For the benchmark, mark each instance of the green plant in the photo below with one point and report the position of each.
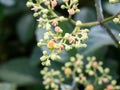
(91, 75)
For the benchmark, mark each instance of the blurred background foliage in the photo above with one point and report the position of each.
(19, 55)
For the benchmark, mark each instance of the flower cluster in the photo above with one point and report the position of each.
(117, 20)
(81, 73)
(54, 38)
(114, 1)
(71, 6)
(90, 73)
(52, 78)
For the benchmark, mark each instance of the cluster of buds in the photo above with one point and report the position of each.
(117, 20)
(52, 78)
(56, 42)
(93, 69)
(114, 1)
(54, 38)
(112, 86)
(71, 6)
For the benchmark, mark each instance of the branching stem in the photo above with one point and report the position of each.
(89, 24)
(102, 20)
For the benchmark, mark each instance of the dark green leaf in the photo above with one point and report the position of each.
(25, 28)
(8, 86)
(19, 71)
(112, 8)
(114, 26)
(86, 15)
(66, 26)
(113, 65)
(7, 2)
(35, 56)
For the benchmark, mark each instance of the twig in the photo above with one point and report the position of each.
(101, 21)
(89, 24)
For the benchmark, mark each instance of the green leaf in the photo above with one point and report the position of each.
(7, 2)
(56, 65)
(66, 26)
(112, 8)
(98, 39)
(39, 32)
(25, 28)
(20, 72)
(85, 15)
(35, 56)
(37, 87)
(114, 26)
(8, 86)
(114, 66)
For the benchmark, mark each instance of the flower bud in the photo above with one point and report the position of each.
(68, 71)
(46, 37)
(47, 2)
(109, 87)
(113, 82)
(71, 12)
(55, 23)
(43, 58)
(51, 44)
(72, 59)
(63, 6)
(47, 63)
(35, 8)
(91, 73)
(77, 10)
(105, 80)
(71, 40)
(54, 3)
(61, 18)
(68, 47)
(107, 70)
(65, 1)
(67, 35)
(44, 52)
(53, 56)
(58, 29)
(116, 20)
(77, 79)
(40, 20)
(113, 1)
(29, 4)
(35, 14)
(95, 64)
(90, 87)
(75, 1)
(39, 44)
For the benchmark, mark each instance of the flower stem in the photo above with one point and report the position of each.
(101, 21)
(111, 34)
(89, 24)
(99, 9)
(74, 84)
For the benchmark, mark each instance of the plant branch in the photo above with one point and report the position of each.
(99, 9)
(111, 34)
(74, 86)
(95, 22)
(101, 21)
